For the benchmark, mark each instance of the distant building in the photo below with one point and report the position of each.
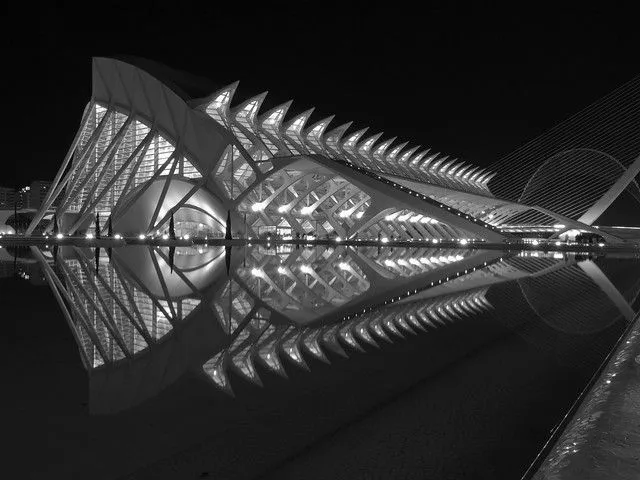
(7, 197)
(38, 191)
(22, 198)
(29, 196)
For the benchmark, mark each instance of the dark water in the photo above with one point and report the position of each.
(471, 391)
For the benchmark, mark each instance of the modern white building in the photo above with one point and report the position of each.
(144, 153)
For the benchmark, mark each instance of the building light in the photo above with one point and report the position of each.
(306, 210)
(89, 235)
(186, 237)
(256, 272)
(559, 226)
(535, 242)
(257, 207)
(306, 269)
(165, 236)
(282, 270)
(343, 266)
(283, 208)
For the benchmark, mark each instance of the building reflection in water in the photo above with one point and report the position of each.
(142, 316)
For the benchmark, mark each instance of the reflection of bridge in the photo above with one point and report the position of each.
(144, 154)
(152, 314)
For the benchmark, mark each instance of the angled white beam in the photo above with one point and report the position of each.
(333, 137)
(247, 111)
(598, 208)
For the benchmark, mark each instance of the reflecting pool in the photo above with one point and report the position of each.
(291, 362)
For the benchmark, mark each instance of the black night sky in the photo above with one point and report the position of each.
(475, 82)
(472, 82)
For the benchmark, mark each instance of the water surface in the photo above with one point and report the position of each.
(196, 362)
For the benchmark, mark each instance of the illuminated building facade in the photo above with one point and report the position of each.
(144, 153)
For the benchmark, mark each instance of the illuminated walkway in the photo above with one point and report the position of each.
(602, 440)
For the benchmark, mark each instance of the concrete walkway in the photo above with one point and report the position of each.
(602, 440)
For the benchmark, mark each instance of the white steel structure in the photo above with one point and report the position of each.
(143, 154)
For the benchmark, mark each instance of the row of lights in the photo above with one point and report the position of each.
(419, 195)
(308, 210)
(410, 293)
(117, 236)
